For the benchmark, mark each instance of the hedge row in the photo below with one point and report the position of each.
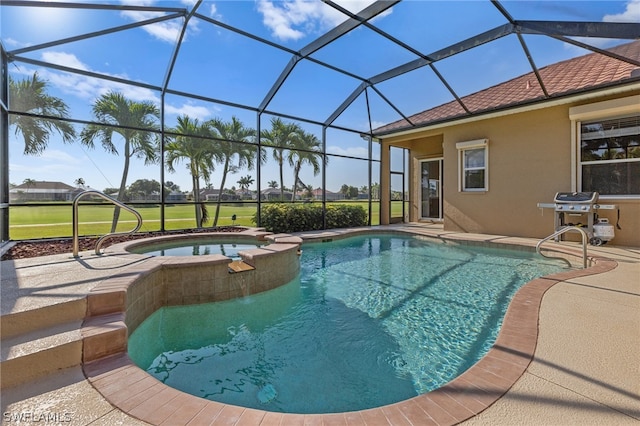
(308, 217)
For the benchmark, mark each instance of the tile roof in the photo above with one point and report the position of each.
(44, 185)
(584, 73)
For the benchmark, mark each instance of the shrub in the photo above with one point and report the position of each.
(308, 217)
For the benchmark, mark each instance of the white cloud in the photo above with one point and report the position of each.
(631, 14)
(167, 31)
(85, 87)
(279, 21)
(64, 59)
(9, 42)
(51, 164)
(89, 88)
(213, 12)
(193, 111)
(294, 19)
(58, 157)
(359, 152)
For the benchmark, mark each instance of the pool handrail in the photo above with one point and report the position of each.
(76, 244)
(585, 239)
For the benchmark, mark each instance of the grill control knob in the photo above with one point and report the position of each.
(584, 207)
(570, 207)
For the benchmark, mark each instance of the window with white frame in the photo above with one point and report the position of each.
(609, 161)
(473, 160)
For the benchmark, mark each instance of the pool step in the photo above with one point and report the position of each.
(38, 353)
(103, 335)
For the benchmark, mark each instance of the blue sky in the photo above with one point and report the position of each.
(220, 64)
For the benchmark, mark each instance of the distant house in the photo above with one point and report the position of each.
(214, 194)
(331, 196)
(140, 197)
(43, 191)
(175, 196)
(273, 194)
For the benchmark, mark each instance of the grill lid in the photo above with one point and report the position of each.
(576, 197)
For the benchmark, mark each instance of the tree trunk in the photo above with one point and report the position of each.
(224, 179)
(196, 199)
(281, 177)
(123, 185)
(296, 172)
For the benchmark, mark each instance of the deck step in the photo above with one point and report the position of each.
(42, 318)
(38, 353)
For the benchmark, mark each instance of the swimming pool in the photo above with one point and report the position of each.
(370, 321)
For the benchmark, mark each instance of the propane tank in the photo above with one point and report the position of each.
(602, 232)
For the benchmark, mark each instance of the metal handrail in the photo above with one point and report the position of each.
(585, 239)
(76, 245)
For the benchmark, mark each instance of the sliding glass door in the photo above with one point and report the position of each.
(431, 189)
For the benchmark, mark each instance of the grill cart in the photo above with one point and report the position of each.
(568, 206)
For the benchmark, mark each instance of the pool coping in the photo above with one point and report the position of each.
(138, 394)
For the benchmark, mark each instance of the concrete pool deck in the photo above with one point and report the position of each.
(585, 368)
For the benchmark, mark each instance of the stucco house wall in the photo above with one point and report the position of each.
(530, 159)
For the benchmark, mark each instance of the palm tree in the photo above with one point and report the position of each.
(344, 190)
(131, 120)
(29, 183)
(308, 191)
(279, 137)
(192, 146)
(79, 182)
(30, 96)
(375, 191)
(245, 182)
(228, 151)
(272, 184)
(304, 146)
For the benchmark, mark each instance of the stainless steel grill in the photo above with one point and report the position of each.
(571, 207)
(578, 202)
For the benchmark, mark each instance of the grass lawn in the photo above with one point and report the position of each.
(34, 222)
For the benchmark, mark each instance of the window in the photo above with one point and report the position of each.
(610, 156)
(473, 158)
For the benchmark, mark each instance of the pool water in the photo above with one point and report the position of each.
(197, 247)
(371, 320)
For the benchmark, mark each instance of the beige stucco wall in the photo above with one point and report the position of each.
(529, 161)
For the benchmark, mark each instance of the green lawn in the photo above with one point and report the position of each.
(33, 222)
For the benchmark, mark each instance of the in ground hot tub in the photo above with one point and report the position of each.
(229, 247)
(118, 305)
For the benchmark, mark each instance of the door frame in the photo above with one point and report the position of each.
(440, 188)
